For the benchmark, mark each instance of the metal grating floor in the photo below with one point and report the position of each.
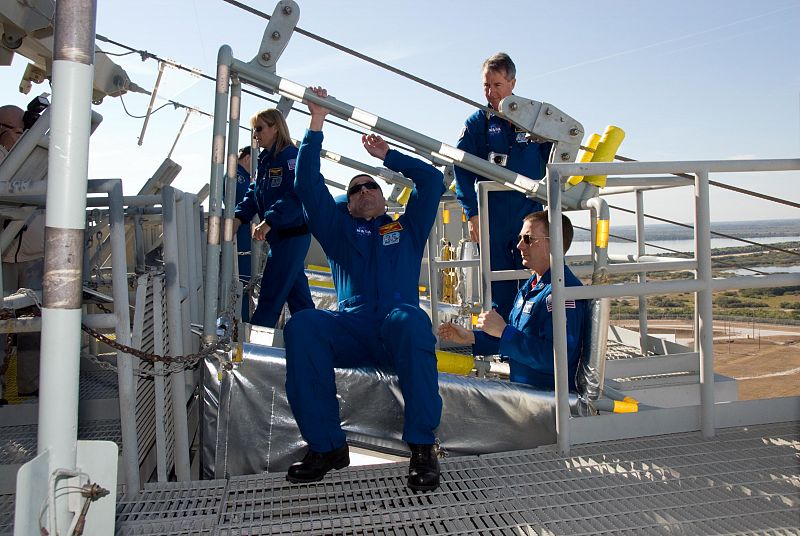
(745, 481)
(18, 443)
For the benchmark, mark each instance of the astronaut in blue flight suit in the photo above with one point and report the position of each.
(490, 137)
(273, 198)
(375, 264)
(243, 244)
(527, 340)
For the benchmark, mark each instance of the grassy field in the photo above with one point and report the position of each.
(776, 304)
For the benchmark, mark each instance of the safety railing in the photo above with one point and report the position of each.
(709, 417)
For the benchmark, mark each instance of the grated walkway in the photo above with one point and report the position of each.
(745, 481)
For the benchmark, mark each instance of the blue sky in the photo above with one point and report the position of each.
(685, 80)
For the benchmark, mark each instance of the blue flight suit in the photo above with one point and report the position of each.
(273, 198)
(527, 340)
(243, 238)
(375, 266)
(479, 137)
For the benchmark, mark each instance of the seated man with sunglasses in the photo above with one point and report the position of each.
(375, 263)
(527, 340)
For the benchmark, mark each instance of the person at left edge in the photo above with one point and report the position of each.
(273, 198)
(375, 263)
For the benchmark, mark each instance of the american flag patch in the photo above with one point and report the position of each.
(569, 304)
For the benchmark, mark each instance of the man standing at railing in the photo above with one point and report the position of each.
(527, 340)
(491, 137)
(375, 263)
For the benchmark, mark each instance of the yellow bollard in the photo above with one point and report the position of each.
(605, 152)
(585, 156)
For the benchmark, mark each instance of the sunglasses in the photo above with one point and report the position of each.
(259, 128)
(353, 190)
(528, 239)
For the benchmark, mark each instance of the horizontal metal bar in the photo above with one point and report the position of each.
(642, 366)
(632, 289)
(457, 263)
(663, 181)
(756, 281)
(662, 266)
(678, 166)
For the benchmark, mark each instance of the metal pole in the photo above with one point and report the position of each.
(424, 144)
(559, 311)
(127, 384)
(485, 264)
(183, 268)
(152, 102)
(194, 276)
(224, 58)
(640, 249)
(158, 380)
(175, 325)
(433, 272)
(68, 162)
(228, 250)
(180, 131)
(705, 334)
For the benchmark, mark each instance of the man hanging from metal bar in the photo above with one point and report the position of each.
(375, 262)
(494, 138)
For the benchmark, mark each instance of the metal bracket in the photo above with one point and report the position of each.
(547, 123)
(277, 34)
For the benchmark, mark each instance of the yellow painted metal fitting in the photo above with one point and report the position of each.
(454, 363)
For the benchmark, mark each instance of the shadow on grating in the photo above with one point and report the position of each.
(6, 515)
(375, 500)
(172, 509)
(745, 481)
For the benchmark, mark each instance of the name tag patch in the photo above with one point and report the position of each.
(275, 176)
(528, 308)
(391, 238)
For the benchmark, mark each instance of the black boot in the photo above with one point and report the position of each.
(315, 464)
(423, 470)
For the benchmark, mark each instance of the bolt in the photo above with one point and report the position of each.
(561, 119)
(548, 111)
(513, 106)
(287, 10)
(565, 157)
(276, 35)
(574, 131)
(266, 56)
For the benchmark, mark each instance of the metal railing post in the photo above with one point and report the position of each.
(175, 325)
(705, 334)
(224, 58)
(433, 270)
(485, 264)
(228, 250)
(125, 362)
(640, 249)
(559, 312)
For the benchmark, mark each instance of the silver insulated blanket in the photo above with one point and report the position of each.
(248, 427)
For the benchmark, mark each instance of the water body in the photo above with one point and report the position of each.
(686, 246)
(795, 269)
